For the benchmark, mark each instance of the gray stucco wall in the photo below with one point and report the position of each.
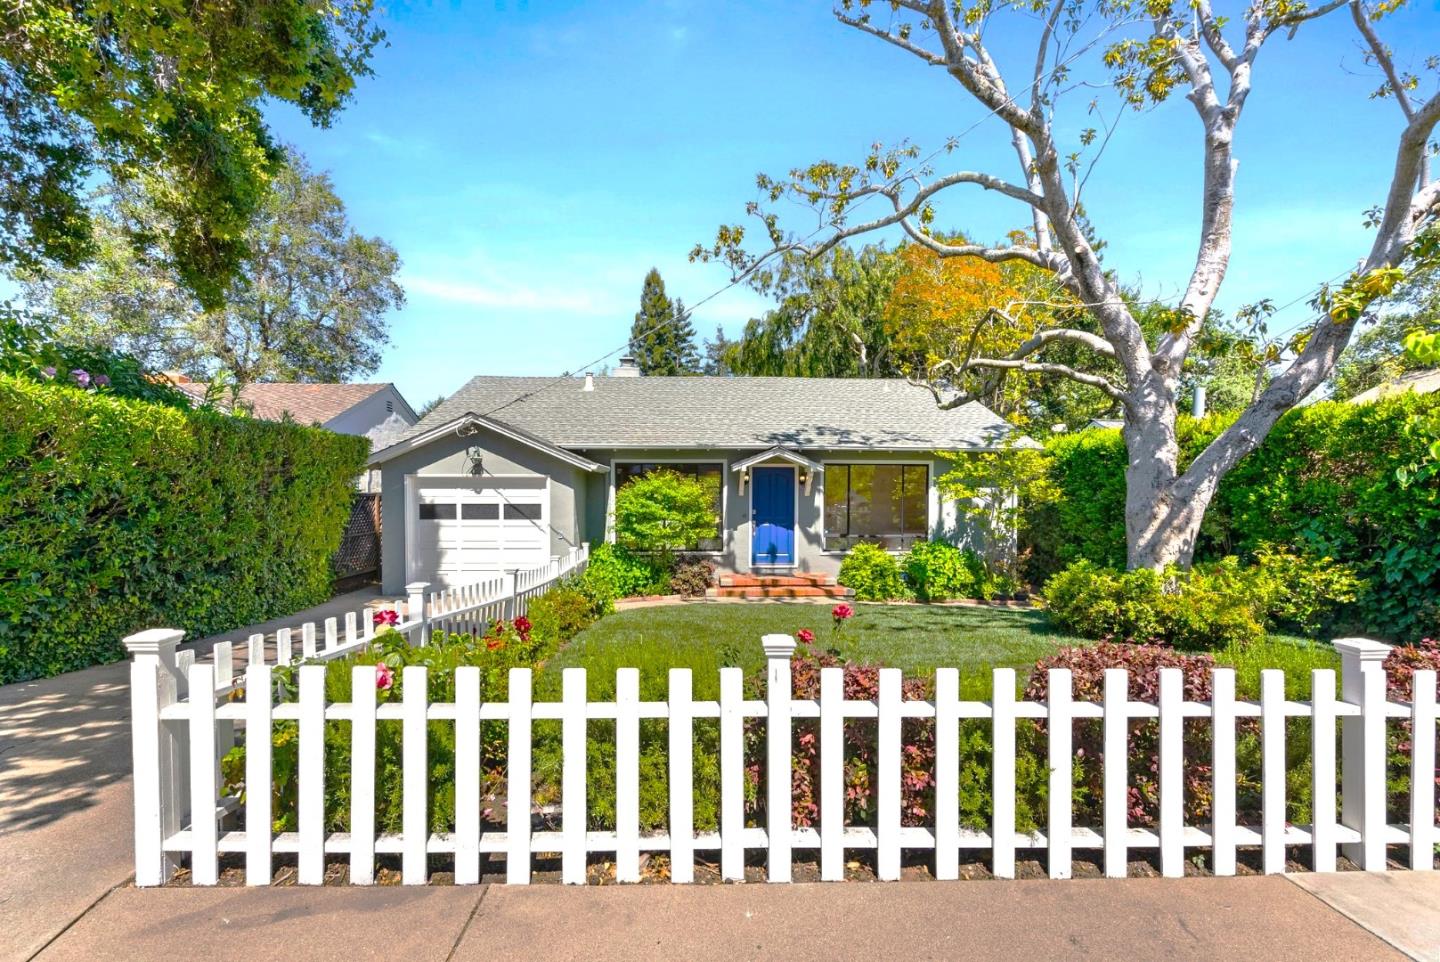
(810, 553)
(451, 456)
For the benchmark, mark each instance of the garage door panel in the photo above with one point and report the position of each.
(466, 530)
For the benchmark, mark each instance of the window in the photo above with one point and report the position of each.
(479, 512)
(437, 512)
(886, 504)
(711, 476)
(522, 512)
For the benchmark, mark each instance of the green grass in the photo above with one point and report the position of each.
(915, 638)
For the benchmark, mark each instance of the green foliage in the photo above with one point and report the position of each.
(120, 515)
(561, 613)
(1332, 480)
(118, 88)
(662, 339)
(616, 572)
(308, 304)
(28, 349)
(663, 511)
(937, 571)
(872, 573)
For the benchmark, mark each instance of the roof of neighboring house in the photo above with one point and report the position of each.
(305, 403)
(1421, 382)
(723, 412)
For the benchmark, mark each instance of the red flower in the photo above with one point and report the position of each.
(384, 676)
(805, 635)
(495, 644)
(522, 627)
(840, 613)
(387, 616)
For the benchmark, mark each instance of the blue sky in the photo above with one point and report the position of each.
(532, 159)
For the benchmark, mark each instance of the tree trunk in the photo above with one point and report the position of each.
(1162, 517)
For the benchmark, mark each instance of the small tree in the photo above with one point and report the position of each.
(993, 487)
(664, 512)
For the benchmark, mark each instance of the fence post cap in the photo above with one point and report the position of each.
(152, 640)
(778, 646)
(417, 586)
(1363, 649)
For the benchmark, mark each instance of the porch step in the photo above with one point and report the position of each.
(797, 580)
(781, 591)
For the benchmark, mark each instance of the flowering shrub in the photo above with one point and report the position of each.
(385, 616)
(1400, 666)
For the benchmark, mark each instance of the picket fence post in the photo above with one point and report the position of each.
(778, 651)
(1362, 749)
(156, 749)
(416, 608)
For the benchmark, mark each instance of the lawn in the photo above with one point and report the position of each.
(914, 638)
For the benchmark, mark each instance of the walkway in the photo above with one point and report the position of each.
(65, 864)
(65, 804)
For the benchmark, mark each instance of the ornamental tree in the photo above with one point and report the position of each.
(665, 512)
(1135, 55)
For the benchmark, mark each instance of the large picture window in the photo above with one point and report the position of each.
(886, 504)
(710, 475)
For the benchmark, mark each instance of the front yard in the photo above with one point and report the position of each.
(915, 638)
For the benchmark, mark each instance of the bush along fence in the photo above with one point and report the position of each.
(471, 609)
(186, 716)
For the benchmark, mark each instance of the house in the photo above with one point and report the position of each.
(511, 471)
(375, 411)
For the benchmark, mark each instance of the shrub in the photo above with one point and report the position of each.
(663, 511)
(1301, 591)
(121, 514)
(691, 577)
(937, 571)
(617, 572)
(561, 613)
(872, 573)
(1197, 612)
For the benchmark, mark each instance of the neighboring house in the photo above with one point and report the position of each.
(375, 411)
(1420, 382)
(511, 471)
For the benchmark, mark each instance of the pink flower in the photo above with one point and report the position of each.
(387, 616)
(384, 677)
(840, 613)
(805, 635)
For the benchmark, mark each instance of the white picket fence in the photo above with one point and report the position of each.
(185, 717)
(503, 597)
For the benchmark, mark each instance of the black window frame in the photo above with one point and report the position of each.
(891, 541)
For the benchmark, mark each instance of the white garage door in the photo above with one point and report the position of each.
(469, 528)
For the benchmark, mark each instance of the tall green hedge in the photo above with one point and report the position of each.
(1324, 481)
(119, 515)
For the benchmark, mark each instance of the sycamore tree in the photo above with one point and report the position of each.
(309, 302)
(105, 90)
(1138, 54)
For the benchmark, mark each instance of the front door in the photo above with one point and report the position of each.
(772, 516)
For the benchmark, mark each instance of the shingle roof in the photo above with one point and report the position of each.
(306, 403)
(725, 412)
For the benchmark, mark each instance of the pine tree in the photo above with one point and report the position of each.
(662, 339)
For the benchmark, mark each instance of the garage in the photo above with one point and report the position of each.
(463, 529)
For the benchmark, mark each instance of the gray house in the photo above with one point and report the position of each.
(511, 471)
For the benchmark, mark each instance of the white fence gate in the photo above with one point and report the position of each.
(185, 718)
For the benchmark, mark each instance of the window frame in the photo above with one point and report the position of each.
(614, 486)
(931, 506)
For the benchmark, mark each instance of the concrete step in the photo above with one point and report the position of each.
(781, 591)
(797, 580)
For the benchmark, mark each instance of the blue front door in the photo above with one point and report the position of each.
(772, 516)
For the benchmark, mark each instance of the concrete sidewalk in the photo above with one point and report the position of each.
(65, 805)
(1255, 918)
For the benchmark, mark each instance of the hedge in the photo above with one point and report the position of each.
(120, 515)
(1323, 482)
